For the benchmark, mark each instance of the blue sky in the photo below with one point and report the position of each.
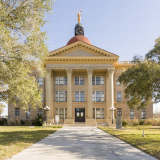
(123, 27)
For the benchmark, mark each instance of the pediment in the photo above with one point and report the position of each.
(81, 49)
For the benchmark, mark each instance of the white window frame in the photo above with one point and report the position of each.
(64, 96)
(101, 93)
(101, 115)
(41, 111)
(120, 99)
(101, 80)
(17, 110)
(79, 79)
(79, 92)
(40, 81)
(118, 83)
(57, 80)
(131, 113)
(143, 113)
(65, 111)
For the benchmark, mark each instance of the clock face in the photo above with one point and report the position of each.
(79, 31)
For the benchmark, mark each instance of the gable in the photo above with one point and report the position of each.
(79, 53)
(78, 48)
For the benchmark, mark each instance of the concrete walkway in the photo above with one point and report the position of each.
(75, 143)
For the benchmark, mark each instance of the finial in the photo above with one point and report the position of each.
(79, 16)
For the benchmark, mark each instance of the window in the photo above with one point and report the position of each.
(79, 80)
(98, 113)
(119, 97)
(42, 97)
(62, 112)
(40, 81)
(60, 96)
(119, 112)
(97, 96)
(16, 113)
(131, 113)
(40, 111)
(143, 113)
(60, 80)
(79, 96)
(28, 114)
(118, 83)
(98, 80)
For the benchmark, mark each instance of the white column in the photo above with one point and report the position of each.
(49, 95)
(110, 92)
(90, 103)
(69, 93)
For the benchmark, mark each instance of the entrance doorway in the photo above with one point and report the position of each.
(79, 114)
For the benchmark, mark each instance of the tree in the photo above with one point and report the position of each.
(142, 81)
(1, 108)
(22, 49)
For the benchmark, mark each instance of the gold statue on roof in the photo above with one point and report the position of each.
(79, 16)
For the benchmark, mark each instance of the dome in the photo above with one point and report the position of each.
(78, 25)
(79, 38)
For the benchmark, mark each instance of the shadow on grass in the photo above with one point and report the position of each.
(8, 138)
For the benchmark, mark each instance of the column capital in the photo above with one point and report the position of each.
(69, 71)
(110, 71)
(89, 71)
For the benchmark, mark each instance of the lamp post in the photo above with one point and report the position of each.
(112, 109)
(46, 109)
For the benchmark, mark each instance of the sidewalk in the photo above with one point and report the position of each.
(75, 143)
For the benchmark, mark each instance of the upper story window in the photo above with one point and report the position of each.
(79, 96)
(40, 81)
(97, 96)
(118, 83)
(98, 80)
(60, 80)
(143, 113)
(28, 113)
(79, 80)
(131, 113)
(16, 113)
(119, 96)
(119, 112)
(61, 96)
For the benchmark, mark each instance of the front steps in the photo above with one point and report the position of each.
(79, 124)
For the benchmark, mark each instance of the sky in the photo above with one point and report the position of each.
(122, 27)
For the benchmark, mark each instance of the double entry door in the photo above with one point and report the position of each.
(79, 114)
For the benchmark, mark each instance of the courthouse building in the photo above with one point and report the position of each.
(81, 85)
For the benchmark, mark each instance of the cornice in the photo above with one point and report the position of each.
(69, 58)
(123, 64)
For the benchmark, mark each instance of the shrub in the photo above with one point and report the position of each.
(147, 122)
(154, 122)
(3, 121)
(124, 123)
(22, 122)
(135, 122)
(37, 121)
(17, 122)
(28, 122)
(141, 122)
(11, 122)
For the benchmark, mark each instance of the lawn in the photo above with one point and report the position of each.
(15, 139)
(133, 135)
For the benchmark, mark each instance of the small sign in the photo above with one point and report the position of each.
(57, 118)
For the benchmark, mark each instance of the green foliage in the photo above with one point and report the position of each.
(3, 121)
(22, 122)
(142, 81)
(141, 122)
(124, 123)
(37, 121)
(23, 48)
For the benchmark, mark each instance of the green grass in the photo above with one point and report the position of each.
(133, 135)
(15, 139)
